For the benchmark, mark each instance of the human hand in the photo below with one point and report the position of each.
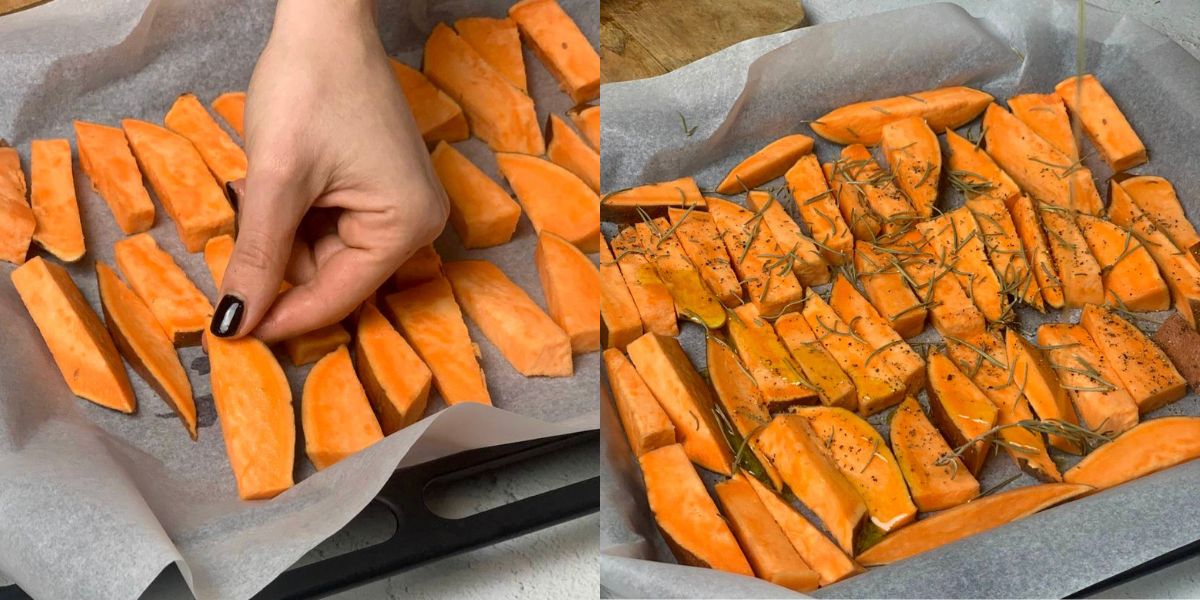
(333, 155)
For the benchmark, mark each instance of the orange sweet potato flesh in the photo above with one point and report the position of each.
(862, 220)
(1129, 273)
(1047, 116)
(567, 149)
(702, 243)
(861, 175)
(587, 120)
(1156, 197)
(335, 413)
(692, 298)
(1037, 251)
(312, 346)
(439, 118)
(216, 257)
(957, 241)
(531, 341)
(424, 265)
(1095, 387)
(770, 553)
(780, 380)
(571, 286)
(554, 199)
(887, 346)
(973, 164)
(394, 378)
(224, 157)
(1148, 448)
(677, 192)
(800, 252)
(686, 398)
(959, 408)
(766, 164)
(818, 208)
(794, 448)
(182, 183)
(1004, 249)
(1105, 125)
(17, 222)
(105, 156)
(950, 308)
(876, 384)
(915, 158)
(560, 45)
(820, 368)
(77, 340)
(52, 196)
(650, 295)
(646, 426)
(686, 515)
(499, 114)
(254, 403)
(1144, 370)
(1031, 369)
(499, 43)
(969, 519)
(862, 122)
(180, 307)
(145, 345)
(431, 321)
(884, 283)
(1078, 270)
(231, 106)
(482, 213)
(622, 323)
(750, 245)
(1027, 449)
(740, 400)
(918, 446)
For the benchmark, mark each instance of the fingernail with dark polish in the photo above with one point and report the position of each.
(228, 316)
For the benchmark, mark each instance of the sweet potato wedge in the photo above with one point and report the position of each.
(431, 321)
(1150, 447)
(779, 378)
(751, 245)
(1129, 273)
(961, 411)
(969, 519)
(1077, 268)
(654, 304)
(554, 199)
(180, 307)
(105, 156)
(439, 118)
(1156, 197)
(770, 553)
(394, 378)
(587, 120)
(1179, 341)
(1004, 249)
(334, 411)
(818, 208)
(886, 345)
(972, 167)
(918, 448)
(915, 159)
(885, 284)
(1037, 250)
(617, 309)
(820, 368)
(1105, 125)
(1031, 369)
(312, 346)
(958, 243)
(560, 45)
(950, 308)
(216, 257)
(1026, 448)
(646, 425)
(702, 243)
(52, 196)
(424, 265)
(685, 397)
(769, 162)
(862, 220)
(1144, 370)
(864, 176)
(677, 192)
(190, 119)
(875, 384)
(1047, 116)
(571, 286)
(800, 254)
(565, 148)
(499, 43)
(182, 183)
(231, 107)
(692, 298)
(78, 342)
(482, 213)
(862, 122)
(742, 403)
(686, 515)
(254, 402)
(499, 114)
(1094, 386)
(17, 222)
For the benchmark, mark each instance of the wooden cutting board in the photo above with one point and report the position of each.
(8, 6)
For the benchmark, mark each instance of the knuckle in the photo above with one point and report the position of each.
(253, 250)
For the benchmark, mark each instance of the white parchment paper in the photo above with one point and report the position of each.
(94, 504)
(754, 92)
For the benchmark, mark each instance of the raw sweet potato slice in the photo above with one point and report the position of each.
(1047, 116)
(182, 183)
(231, 106)
(216, 257)
(1004, 249)
(105, 156)
(499, 43)
(862, 122)
(571, 286)
(1156, 197)
(587, 120)
(1094, 386)
(431, 321)
(887, 347)
(767, 548)
(311, 346)
(560, 45)
(864, 176)
(52, 195)
(1026, 448)
(145, 345)
(886, 285)
(617, 308)
(1037, 251)
(1037, 166)
(686, 515)
(818, 208)
(876, 385)
(1031, 369)
(1148, 448)
(554, 199)
(646, 425)
(862, 220)
(223, 156)
(1144, 370)
(766, 164)
(974, 170)
(531, 341)
(779, 378)
(1105, 125)
(17, 222)
(935, 484)
(77, 340)
(439, 118)
(677, 192)
(794, 448)
(1130, 275)
(686, 398)
(334, 412)
(820, 368)
(500, 114)
(961, 411)
(654, 304)
(958, 243)
(702, 243)
(969, 519)
(863, 456)
(950, 308)
(424, 265)
(565, 148)
(742, 403)
(180, 307)
(482, 213)
(800, 254)
(692, 298)
(394, 378)
(915, 159)
(1179, 341)
(750, 244)
(1078, 270)
(254, 403)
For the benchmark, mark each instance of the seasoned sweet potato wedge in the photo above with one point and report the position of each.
(975, 170)
(571, 287)
(886, 285)
(862, 122)
(395, 379)
(587, 120)
(438, 116)
(768, 549)
(692, 298)
(862, 220)
(1077, 268)
(864, 176)
(886, 345)
(876, 385)
(52, 196)
(617, 309)
(957, 241)
(1004, 249)
(915, 159)
(1105, 125)
(646, 425)
(1047, 116)
(654, 304)
(1094, 386)
(766, 164)
(950, 308)
(1148, 448)
(918, 448)
(334, 412)
(1031, 369)
(1037, 251)
(16, 217)
(742, 403)
(565, 148)
(779, 378)
(498, 41)
(961, 411)
(800, 254)
(750, 244)
(180, 307)
(818, 208)
(703, 245)
(820, 368)
(1144, 370)
(231, 106)
(224, 157)
(1129, 273)
(554, 199)
(105, 156)
(561, 46)
(1156, 197)
(482, 213)
(678, 192)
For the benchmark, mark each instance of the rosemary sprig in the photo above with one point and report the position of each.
(871, 458)
(980, 351)
(880, 350)
(1076, 434)
(912, 97)
(670, 231)
(683, 122)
